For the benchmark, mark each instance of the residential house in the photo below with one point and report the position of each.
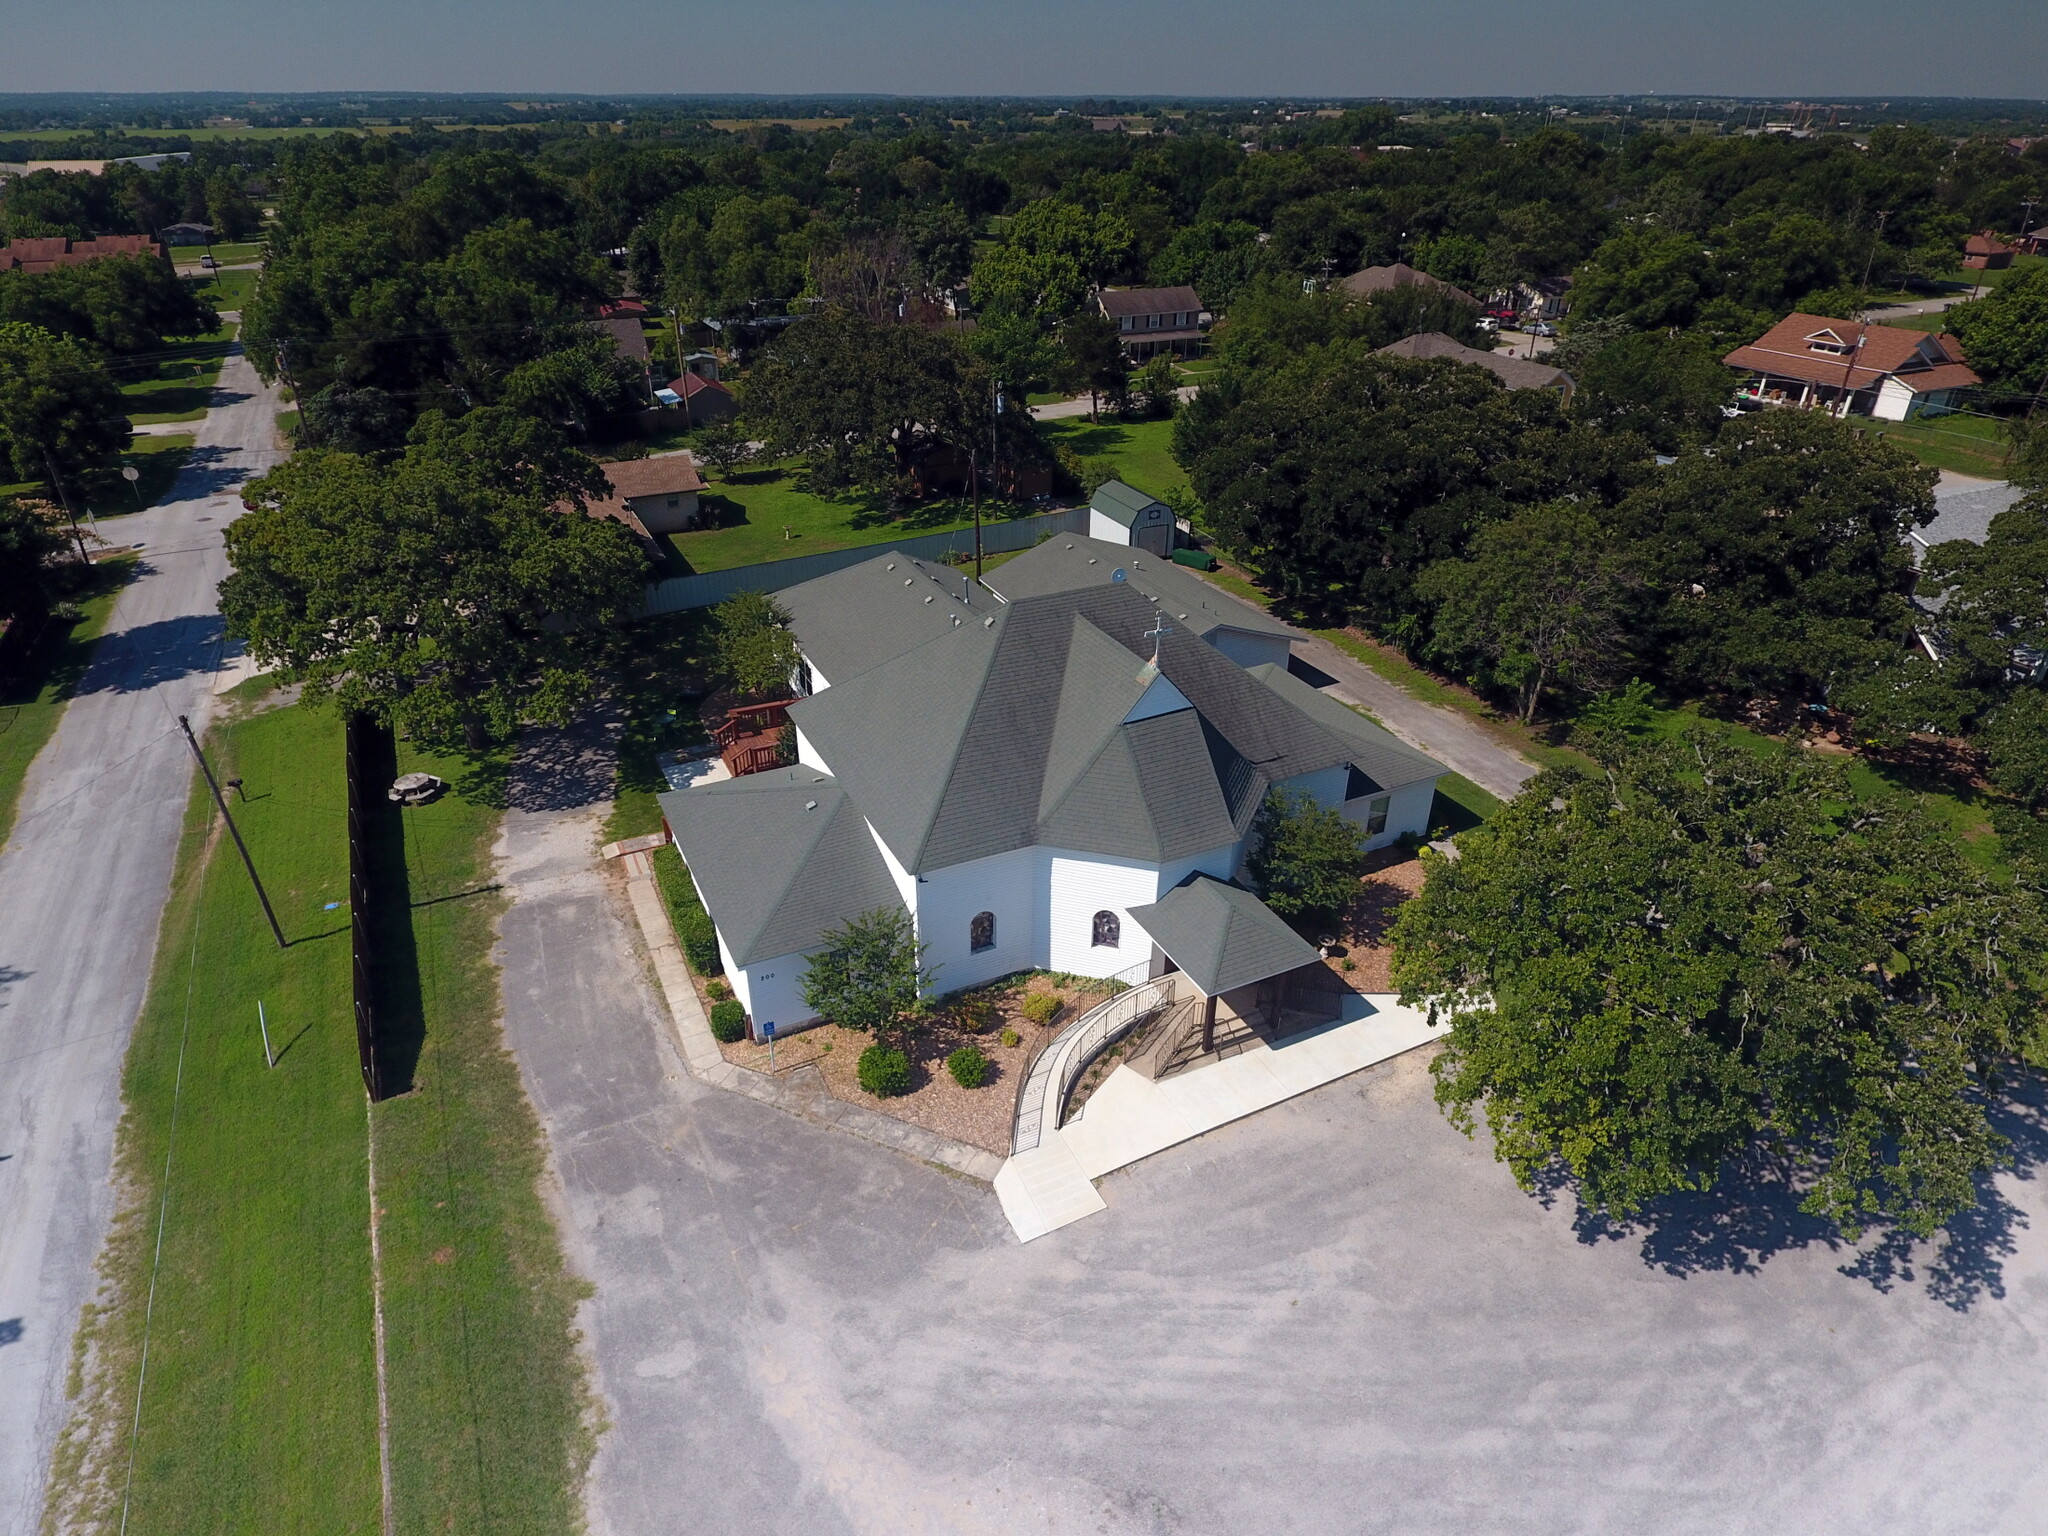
(1370, 281)
(1154, 320)
(657, 494)
(46, 253)
(1118, 514)
(702, 400)
(631, 344)
(1985, 252)
(1853, 367)
(1029, 780)
(186, 234)
(1514, 372)
(2034, 242)
(1547, 298)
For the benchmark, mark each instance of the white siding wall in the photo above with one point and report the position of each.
(1077, 886)
(1326, 785)
(947, 900)
(1250, 650)
(906, 883)
(1107, 529)
(809, 755)
(1220, 862)
(776, 987)
(1407, 811)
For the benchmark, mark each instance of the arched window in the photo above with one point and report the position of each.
(981, 932)
(1109, 933)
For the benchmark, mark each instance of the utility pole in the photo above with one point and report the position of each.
(1876, 235)
(233, 830)
(64, 496)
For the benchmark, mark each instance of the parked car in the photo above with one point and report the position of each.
(1488, 324)
(1540, 328)
(208, 261)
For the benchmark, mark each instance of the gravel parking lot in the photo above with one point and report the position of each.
(1339, 1316)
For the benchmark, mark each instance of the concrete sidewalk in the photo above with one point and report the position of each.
(1130, 1117)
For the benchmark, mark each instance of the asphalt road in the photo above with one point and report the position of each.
(82, 884)
(1338, 1316)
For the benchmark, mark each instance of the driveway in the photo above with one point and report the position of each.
(82, 883)
(1338, 1316)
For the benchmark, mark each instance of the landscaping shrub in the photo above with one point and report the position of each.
(718, 990)
(1011, 1039)
(884, 1072)
(976, 1015)
(692, 923)
(1040, 1007)
(728, 1021)
(968, 1066)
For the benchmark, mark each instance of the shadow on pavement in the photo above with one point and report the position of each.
(1753, 1214)
(563, 770)
(131, 660)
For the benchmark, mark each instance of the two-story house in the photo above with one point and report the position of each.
(1152, 320)
(1851, 367)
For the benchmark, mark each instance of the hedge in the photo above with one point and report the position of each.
(692, 923)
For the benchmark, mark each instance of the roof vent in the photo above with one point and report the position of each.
(908, 580)
(928, 597)
(1093, 561)
(810, 805)
(890, 566)
(956, 621)
(989, 622)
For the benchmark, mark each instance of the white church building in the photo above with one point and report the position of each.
(1019, 765)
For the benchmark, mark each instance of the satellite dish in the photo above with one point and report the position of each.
(130, 473)
(1118, 575)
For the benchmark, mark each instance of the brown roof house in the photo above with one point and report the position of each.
(1153, 320)
(1374, 280)
(47, 253)
(1515, 372)
(702, 400)
(1985, 252)
(1850, 367)
(652, 495)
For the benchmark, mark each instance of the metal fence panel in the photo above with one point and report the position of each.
(997, 538)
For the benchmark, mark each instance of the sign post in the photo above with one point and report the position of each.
(768, 1029)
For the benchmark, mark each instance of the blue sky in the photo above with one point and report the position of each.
(1814, 48)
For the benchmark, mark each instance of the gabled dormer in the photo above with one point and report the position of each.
(1829, 343)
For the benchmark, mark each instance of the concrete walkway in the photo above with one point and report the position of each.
(1057, 410)
(1129, 1117)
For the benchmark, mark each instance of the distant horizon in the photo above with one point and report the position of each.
(975, 49)
(255, 95)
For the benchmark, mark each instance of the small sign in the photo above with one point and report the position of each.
(130, 473)
(768, 1030)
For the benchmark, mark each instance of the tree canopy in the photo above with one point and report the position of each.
(869, 973)
(61, 416)
(122, 305)
(457, 590)
(1699, 950)
(1304, 860)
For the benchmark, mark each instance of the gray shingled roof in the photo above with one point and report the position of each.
(779, 858)
(1118, 302)
(1121, 503)
(1965, 514)
(860, 617)
(1383, 758)
(1221, 935)
(1515, 372)
(1068, 562)
(1010, 732)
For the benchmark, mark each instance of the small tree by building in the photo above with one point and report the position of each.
(1305, 860)
(757, 654)
(723, 448)
(870, 975)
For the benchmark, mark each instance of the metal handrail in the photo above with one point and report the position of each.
(1059, 1066)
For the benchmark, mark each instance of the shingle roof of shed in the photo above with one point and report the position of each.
(1221, 935)
(779, 858)
(1113, 499)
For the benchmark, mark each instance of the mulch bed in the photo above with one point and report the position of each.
(1364, 934)
(978, 1116)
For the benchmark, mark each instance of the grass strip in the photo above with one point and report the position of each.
(491, 1425)
(34, 691)
(259, 1413)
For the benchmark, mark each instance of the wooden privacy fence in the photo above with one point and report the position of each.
(997, 538)
(369, 750)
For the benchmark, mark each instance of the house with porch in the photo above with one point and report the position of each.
(1153, 320)
(1853, 367)
(1063, 779)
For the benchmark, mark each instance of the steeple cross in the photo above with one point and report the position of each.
(1159, 631)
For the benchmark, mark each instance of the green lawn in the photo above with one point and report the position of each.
(229, 291)
(177, 388)
(261, 1408)
(1141, 450)
(33, 694)
(750, 512)
(1969, 445)
(227, 253)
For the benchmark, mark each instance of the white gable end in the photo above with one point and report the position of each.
(1159, 698)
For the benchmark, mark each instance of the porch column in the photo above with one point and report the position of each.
(1208, 1025)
